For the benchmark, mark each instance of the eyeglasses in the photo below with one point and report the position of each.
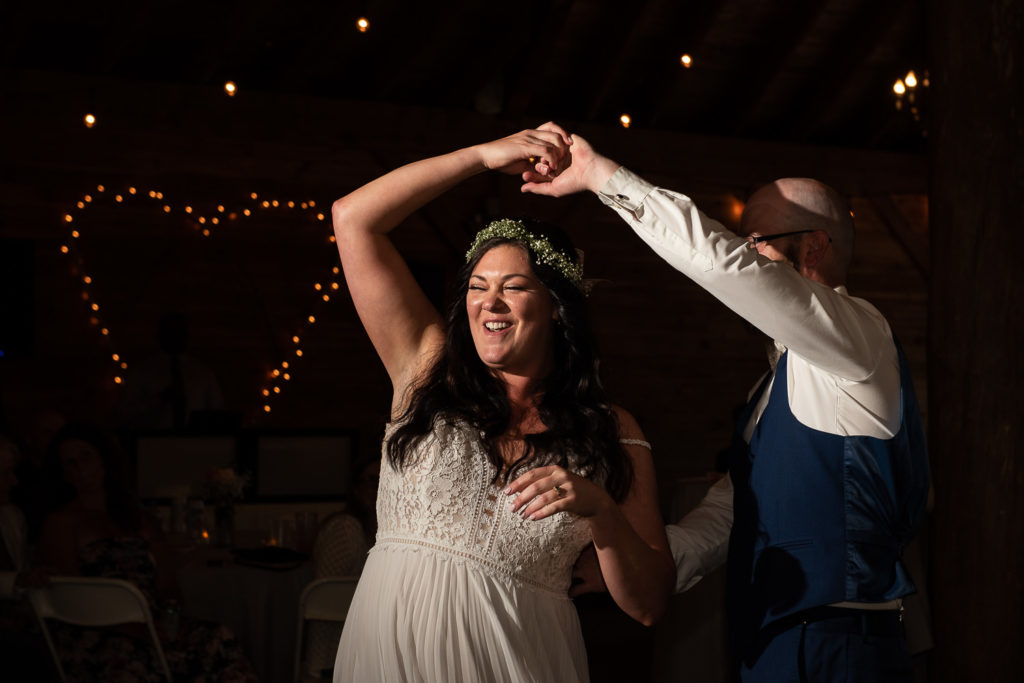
(754, 239)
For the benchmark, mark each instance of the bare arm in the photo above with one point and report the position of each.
(405, 329)
(632, 549)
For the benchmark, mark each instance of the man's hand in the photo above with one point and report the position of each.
(581, 169)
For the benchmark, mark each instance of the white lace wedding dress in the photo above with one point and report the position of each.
(458, 587)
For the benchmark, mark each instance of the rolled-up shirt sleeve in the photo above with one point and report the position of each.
(700, 540)
(836, 332)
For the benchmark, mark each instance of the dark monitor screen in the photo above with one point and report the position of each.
(304, 466)
(171, 465)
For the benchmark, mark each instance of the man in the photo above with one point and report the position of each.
(828, 473)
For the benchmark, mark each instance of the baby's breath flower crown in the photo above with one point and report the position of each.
(541, 247)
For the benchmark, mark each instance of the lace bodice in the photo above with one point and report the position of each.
(446, 502)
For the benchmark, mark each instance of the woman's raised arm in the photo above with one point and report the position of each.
(405, 329)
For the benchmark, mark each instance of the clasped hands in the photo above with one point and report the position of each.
(550, 161)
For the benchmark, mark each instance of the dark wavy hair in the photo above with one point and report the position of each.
(122, 505)
(574, 408)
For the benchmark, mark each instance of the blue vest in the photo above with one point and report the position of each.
(820, 518)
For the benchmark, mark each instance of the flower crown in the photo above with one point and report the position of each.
(540, 246)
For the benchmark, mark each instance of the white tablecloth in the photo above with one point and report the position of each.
(259, 605)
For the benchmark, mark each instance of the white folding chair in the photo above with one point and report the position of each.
(93, 602)
(325, 599)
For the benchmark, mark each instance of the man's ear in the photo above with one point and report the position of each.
(816, 245)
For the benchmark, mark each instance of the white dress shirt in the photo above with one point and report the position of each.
(843, 370)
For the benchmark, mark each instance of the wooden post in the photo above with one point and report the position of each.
(975, 338)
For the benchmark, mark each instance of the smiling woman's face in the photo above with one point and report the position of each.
(510, 313)
(81, 465)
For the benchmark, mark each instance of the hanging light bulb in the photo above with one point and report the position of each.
(363, 25)
(910, 79)
(686, 61)
(625, 120)
(230, 88)
(89, 120)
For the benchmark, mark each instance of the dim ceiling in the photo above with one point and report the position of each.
(796, 71)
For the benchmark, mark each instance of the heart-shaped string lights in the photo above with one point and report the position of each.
(203, 224)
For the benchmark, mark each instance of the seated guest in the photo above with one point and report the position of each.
(340, 550)
(344, 538)
(21, 648)
(101, 531)
(13, 533)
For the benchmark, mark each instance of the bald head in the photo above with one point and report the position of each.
(804, 204)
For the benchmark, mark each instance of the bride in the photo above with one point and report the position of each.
(504, 459)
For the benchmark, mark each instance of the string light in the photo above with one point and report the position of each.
(189, 210)
(906, 90)
(686, 61)
(230, 88)
(625, 120)
(89, 120)
(363, 25)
